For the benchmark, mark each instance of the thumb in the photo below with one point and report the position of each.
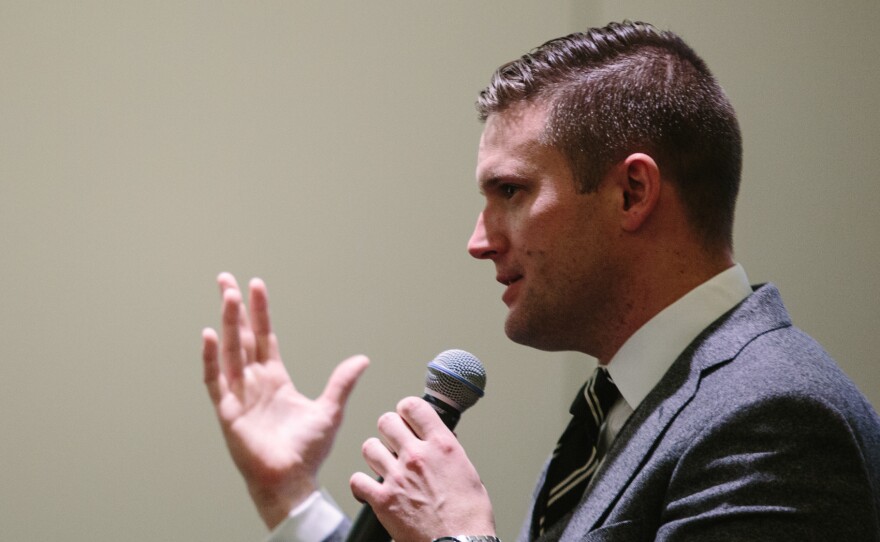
(343, 379)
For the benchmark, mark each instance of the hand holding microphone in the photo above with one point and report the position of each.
(427, 487)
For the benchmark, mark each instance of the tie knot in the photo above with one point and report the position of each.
(595, 398)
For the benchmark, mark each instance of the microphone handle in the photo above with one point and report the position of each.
(366, 526)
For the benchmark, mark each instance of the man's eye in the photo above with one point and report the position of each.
(509, 190)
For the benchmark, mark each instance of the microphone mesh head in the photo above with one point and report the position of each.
(458, 376)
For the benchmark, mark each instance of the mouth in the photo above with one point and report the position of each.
(507, 280)
(510, 293)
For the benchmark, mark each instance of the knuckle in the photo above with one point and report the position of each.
(446, 447)
(414, 461)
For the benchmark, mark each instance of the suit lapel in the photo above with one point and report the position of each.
(757, 314)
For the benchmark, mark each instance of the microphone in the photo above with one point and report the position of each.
(455, 381)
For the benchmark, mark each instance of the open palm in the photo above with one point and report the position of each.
(278, 438)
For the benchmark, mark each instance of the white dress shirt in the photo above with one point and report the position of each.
(313, 520)
(645, 357)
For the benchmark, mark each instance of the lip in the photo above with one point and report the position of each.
(513, 283)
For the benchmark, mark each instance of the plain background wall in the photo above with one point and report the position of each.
(329, 148)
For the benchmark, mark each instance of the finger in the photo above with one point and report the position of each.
(233, 360)
(266, 343)
(378, 457)
(227, 282)
(395, 433)
(342, 381)
(364, 488)
(421, 418)
(214, 380)
(211, 365)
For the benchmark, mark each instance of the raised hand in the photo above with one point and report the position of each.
(278, 438)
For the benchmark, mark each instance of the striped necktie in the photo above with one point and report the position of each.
(575, 458)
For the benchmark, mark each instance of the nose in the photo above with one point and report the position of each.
(479, 245)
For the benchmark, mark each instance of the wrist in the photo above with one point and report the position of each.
(274, 505)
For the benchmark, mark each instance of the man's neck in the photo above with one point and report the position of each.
(650, 293)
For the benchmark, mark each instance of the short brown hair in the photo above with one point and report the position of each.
(629, 87)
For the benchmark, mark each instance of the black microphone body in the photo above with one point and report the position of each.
(454, 382)
(367, 528)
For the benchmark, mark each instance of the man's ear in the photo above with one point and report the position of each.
(639, 183)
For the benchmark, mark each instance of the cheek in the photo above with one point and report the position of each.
(539, 231)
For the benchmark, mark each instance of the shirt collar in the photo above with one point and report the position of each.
(646, 356)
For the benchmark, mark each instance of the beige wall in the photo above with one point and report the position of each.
(330, 149)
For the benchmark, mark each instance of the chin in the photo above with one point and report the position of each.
(529, 335)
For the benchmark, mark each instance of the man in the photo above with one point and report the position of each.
(610, 164)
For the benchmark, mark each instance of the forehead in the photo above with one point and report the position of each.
(513, 144)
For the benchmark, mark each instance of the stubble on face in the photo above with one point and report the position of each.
(555, 238)
(564, 304)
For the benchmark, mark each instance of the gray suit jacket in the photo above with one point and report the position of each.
(754, 433)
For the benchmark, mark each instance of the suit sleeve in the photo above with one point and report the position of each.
(784, 468)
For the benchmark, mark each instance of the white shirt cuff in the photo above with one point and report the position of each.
(313, 520)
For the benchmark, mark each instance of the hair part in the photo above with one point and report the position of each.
(625, 88)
